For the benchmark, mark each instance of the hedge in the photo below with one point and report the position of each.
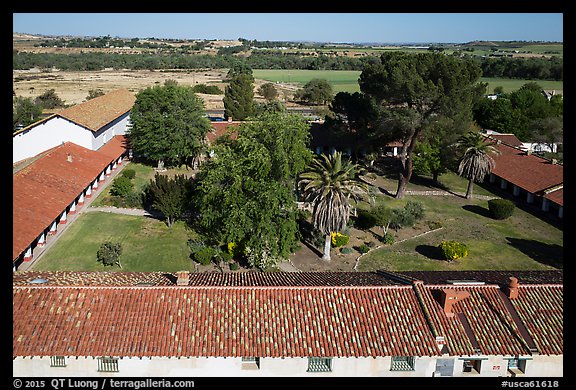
(501, 208)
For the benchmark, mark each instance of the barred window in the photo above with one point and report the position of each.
(319, 364)
(57, 361)
(107, 364)
(251, 362)
(402, 363)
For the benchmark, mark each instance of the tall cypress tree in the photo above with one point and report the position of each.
(239, 97)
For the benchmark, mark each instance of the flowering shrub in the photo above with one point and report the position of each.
(339, 239)
(452, 250)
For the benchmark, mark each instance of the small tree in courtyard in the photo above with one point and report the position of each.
(109, 253)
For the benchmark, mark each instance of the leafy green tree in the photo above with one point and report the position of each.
(268, 91)
(238, 69)
(316, 91)
(383, 217)
(547, 131)
(329, 184)
(416, 89)
(49, 100)
(476, 161)
(239, 97)
(245, 193)
(168, 124)
(109, 253)
(24, 112)
(170, 196)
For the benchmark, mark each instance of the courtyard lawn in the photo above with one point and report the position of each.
(522, 242)
(148, 244)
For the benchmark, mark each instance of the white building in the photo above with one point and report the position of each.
(90, 124)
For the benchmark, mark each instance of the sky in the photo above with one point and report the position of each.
(310, 27)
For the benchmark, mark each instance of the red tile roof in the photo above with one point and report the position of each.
(221, 128)
(229, 279)
(527, 171)
(491, 325)
(509, 139)
(43, 189)
(219, 321)
(98, 112)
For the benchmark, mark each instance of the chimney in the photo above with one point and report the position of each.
(554, 161)
(512, 288)
(183, 278)
(229, 119)
(449, 297)
(69, 157)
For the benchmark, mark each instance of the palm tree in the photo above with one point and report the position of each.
(476, 162)
(329, 184)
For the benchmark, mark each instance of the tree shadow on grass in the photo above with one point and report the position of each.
(431, 252)
(484, 212)
(548, 254)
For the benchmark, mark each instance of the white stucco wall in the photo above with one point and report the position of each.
(49, 134)
(494, 366)
(118, 127)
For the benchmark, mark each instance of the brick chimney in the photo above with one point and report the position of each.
(512, 288)
(449, 297)
(183, 278)
(69, 158)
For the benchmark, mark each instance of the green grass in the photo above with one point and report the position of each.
(347, 80)
(522, 242)
(148, 244)
(341, 80)
(511, 85)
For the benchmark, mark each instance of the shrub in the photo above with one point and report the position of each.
(415, 209)
(501, 208)
(401, 218)
(207, 89)
(346, 250)
(363, 248)
(339, 239)
(434, 225)
(109, 253)
(388, 239)
(121, 186)
(365, 220)
(129, 173)
(452, 250)
(234, 266)
(204, 255)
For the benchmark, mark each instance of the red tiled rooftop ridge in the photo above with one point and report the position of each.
(98, 112)
(43, 189)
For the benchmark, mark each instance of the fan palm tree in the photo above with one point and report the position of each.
(476, 161)
(329, 184)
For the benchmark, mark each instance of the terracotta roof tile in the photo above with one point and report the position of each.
(221, 128)
(219, 321)
(229, 279)
(530, 172)
(509, 139)
(43, 189)
(98, 112)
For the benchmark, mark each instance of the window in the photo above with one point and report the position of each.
(402, 363)
(107, 364)
(517, 365)
(472, 366)
(319, 364)
(250, 363)
(57, 361)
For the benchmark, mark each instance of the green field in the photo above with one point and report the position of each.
(510, 85)
(347, 80)
(148, 244)
(341, 80)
